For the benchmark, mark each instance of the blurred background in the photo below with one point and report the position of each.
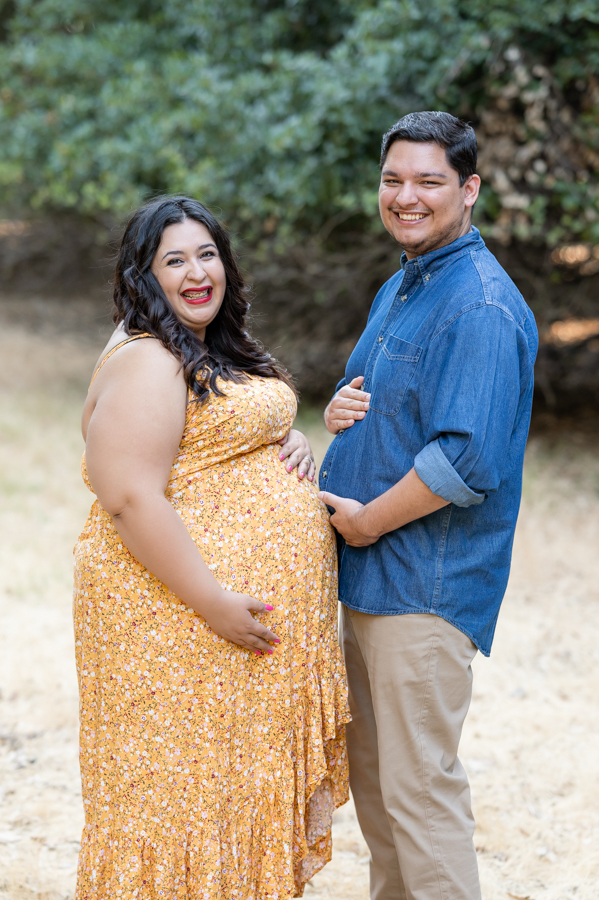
(271, 112)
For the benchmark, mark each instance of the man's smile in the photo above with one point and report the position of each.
(409, 217)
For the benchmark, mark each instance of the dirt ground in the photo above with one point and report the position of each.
(531, 742)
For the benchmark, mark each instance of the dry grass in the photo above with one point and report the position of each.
(531, 743)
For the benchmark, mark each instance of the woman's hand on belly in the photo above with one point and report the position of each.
(297, 452)
(230, 615)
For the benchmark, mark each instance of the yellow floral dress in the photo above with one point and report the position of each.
(210, 773)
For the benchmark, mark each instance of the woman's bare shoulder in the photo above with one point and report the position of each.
(139, 371)
(144, 352)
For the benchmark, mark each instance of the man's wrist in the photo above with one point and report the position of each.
(366, 524)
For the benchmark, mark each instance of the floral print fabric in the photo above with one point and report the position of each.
(210, 773)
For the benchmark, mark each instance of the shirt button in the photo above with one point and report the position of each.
(324, 474)
(380, 338)
(403, 298)
(427, 277)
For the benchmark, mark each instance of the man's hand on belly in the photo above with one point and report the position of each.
(361, 525)
(347, 519)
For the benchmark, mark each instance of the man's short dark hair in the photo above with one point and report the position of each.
(456, 137)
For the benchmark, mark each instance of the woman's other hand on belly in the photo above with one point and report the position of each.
(297, 453)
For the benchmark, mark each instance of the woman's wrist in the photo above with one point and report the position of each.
(209, 599)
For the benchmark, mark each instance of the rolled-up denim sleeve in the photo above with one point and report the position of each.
(469, 403)
(433, 467)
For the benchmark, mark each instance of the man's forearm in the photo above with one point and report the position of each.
(406, 501)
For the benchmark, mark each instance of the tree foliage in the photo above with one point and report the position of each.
(273, 110)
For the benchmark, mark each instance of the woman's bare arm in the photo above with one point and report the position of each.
(133, 424)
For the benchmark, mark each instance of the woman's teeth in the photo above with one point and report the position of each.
(197, 295)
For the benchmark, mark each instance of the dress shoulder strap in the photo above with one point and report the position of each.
(135, 337)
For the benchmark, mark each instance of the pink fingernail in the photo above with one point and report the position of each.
(281, 458)
(311, 477)
(270, 651)
(276, 640)
(257, 652)
(290, 469)
(302, 474)
(269, 608)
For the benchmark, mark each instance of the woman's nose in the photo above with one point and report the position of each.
(197, 271)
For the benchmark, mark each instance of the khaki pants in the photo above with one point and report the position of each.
(410, 684)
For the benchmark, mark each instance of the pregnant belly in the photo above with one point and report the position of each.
(259, 528)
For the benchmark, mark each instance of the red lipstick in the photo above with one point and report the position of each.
(197, 296)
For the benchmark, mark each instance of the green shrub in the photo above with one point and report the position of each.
(273, 111)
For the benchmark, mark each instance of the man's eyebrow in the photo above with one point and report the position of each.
(182, 252)
(417, 174)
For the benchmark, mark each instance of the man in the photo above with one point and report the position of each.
(424, 477)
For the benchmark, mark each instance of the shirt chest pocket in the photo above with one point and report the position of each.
(392, 374)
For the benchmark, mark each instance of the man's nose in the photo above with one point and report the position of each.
(406, 195)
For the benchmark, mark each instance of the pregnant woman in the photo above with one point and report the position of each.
(213, 697)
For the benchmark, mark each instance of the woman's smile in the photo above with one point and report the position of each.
(196, 296)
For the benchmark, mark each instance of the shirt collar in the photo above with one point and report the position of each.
(438, 259)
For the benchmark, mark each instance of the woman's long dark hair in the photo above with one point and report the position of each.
(228, 351)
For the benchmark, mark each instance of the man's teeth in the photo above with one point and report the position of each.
(411, 217)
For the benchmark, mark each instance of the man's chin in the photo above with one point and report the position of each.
(416, 246)
(422, 239)
(410, 240)
(419, 245)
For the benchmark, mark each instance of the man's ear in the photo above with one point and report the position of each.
(471, 190)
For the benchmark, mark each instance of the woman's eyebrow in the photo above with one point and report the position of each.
(182, 252)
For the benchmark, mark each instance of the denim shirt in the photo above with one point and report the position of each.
(447, 356)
